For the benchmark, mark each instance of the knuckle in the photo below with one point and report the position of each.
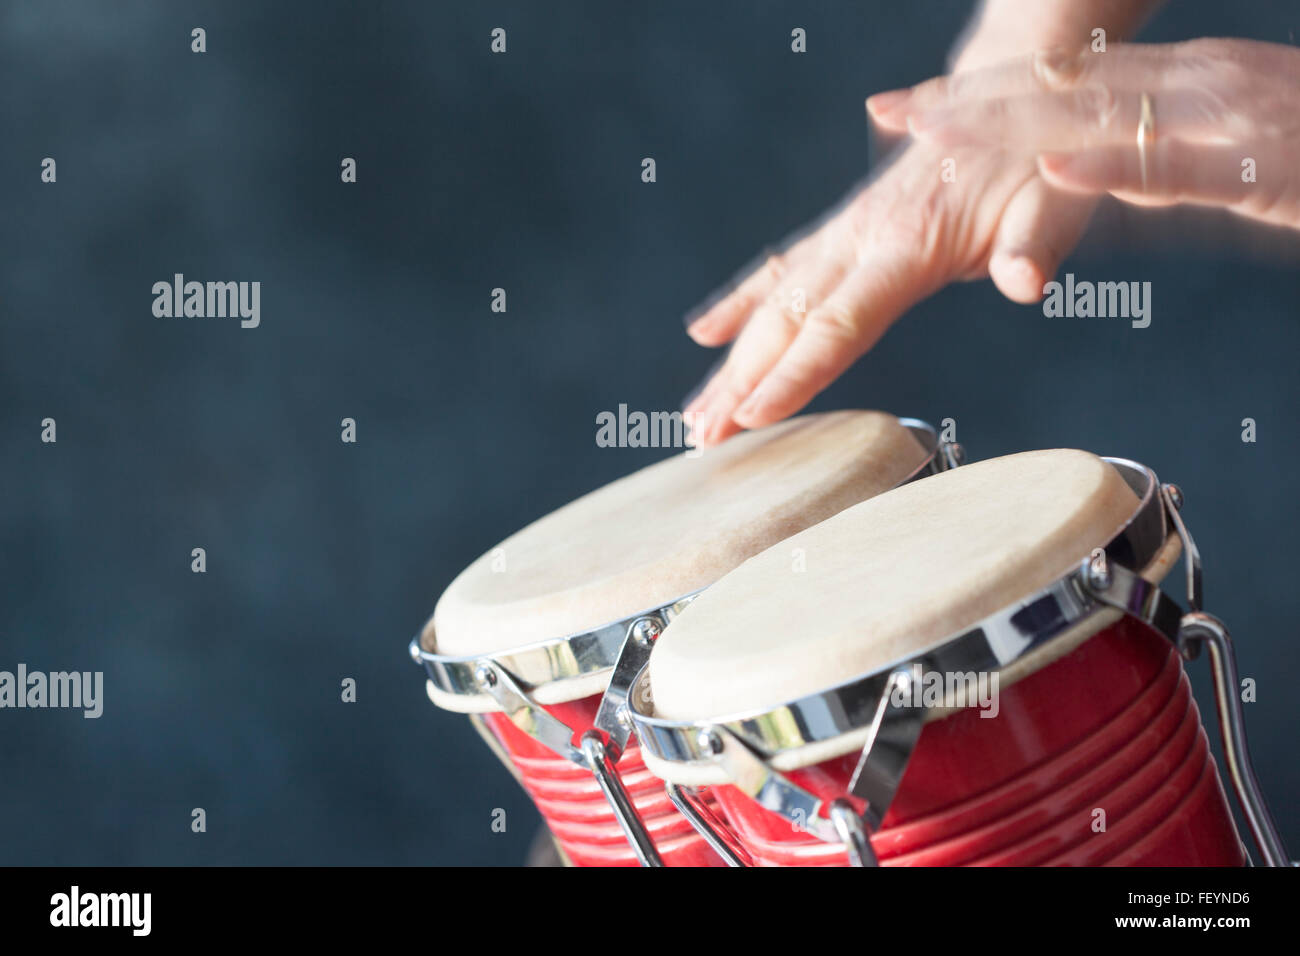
(836, 319)
(942, 88)
(780, 306)
(774, 267)
(1098, 106)
(1057, 69)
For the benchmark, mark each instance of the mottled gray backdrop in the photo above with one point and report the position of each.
(477, 171)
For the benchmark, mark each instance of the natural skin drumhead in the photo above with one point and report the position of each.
(668, 530)
(884, 580)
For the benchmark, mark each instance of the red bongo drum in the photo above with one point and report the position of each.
(539, 638)
(977, 669)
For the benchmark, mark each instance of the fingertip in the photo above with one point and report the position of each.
(1018, 277)
(886, 110)
(747, 416)
(774, 399)
(699, 333)
(887, 101)
(716, 325)
(725, 430)
(707, 331)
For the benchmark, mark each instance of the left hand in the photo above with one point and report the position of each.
(1226, 128)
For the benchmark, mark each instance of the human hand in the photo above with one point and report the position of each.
(1225, 130)
(897, 241)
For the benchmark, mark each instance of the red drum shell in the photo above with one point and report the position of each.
(1111, 726)
(575, 809)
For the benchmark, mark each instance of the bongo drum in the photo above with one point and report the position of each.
(979, 668)
(540, 638)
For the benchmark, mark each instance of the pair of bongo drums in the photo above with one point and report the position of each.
(832, 642)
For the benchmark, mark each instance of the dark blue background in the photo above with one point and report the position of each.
(478, 171)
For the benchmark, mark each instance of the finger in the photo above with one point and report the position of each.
(720, 322)
(848, 323)
(694, 399)
(1133, 67)
(1039, 227)
(789, 300)
(1080, 119)
(1262, 187)
(763, 340)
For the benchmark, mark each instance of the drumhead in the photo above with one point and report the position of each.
(668, 530)
(886, 580)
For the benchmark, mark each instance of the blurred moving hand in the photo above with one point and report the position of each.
(900, 239)
(1224, 120)
(814, 308)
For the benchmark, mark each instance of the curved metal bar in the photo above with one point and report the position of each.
(1210, 631)
(715, 833)
(853, 834)
(1173, 496)
(593, 751)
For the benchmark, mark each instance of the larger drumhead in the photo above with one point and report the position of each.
(885, 580)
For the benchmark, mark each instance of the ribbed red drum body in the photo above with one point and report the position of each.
(576, 811)
(1110, 727)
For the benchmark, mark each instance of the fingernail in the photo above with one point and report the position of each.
(750, 408)
(696, 326)
(1054, 162)
(887, 101)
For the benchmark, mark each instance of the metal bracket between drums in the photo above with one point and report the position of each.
(611, 717)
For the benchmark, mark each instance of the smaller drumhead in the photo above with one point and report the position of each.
(884, 581)
(668, 530)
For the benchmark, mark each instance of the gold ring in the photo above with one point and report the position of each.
(1146, 135)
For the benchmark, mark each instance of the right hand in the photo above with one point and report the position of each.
(900, 239)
